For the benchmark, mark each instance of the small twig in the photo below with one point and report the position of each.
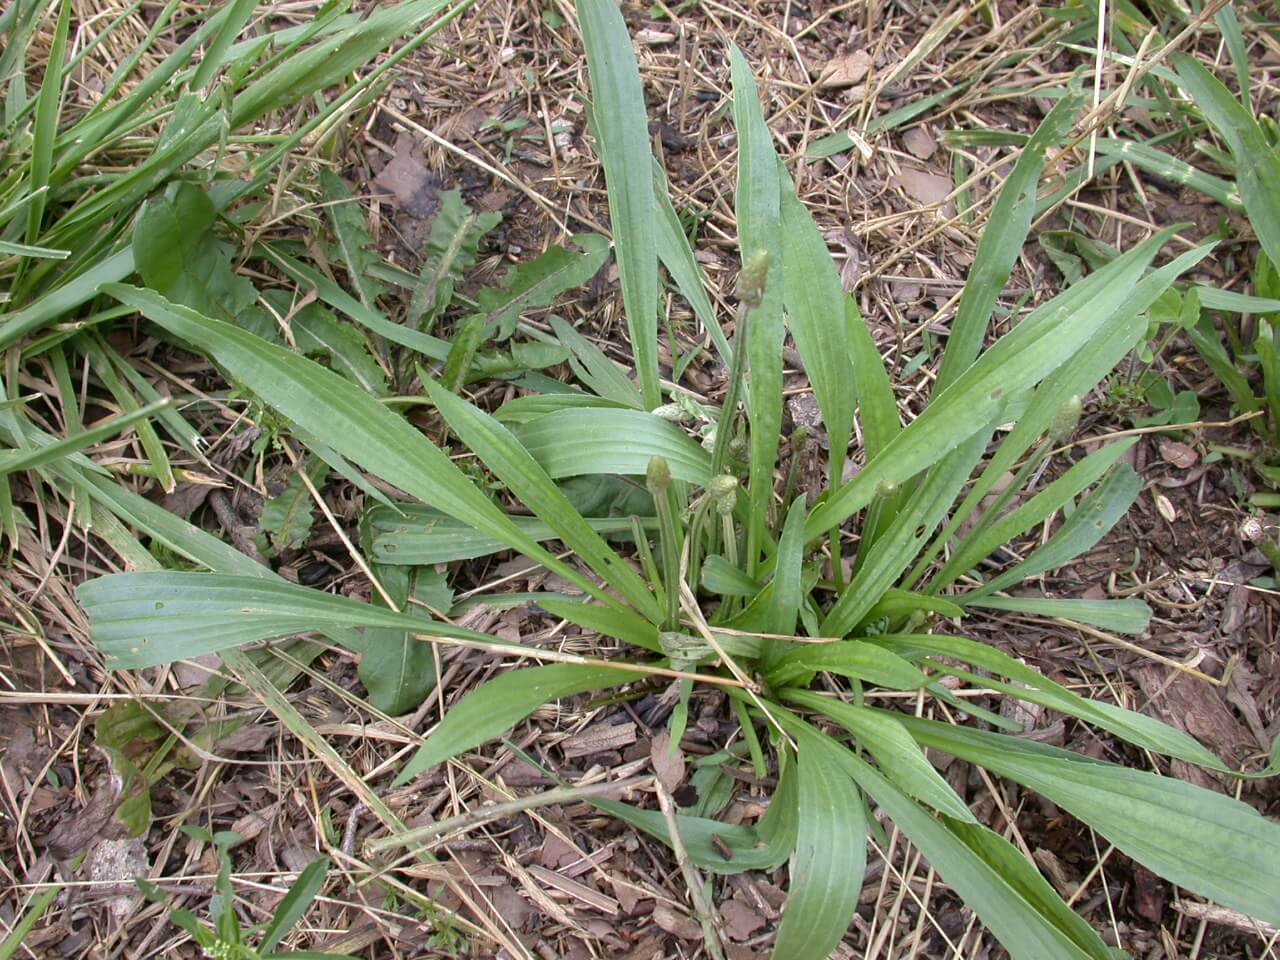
(482, 815)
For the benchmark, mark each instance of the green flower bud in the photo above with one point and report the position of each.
(1066, 420)
(886, 488)
(724, 493)
(752, 279)
(658, 476)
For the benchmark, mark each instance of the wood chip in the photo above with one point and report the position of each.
(592, 898)
(1178, 454)
(919, 143)
(845, 69)
(598, 738)
(677, 924)
(921, 185)
(668, 764)
(740, 920)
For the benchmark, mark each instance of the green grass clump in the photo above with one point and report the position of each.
(796, 610)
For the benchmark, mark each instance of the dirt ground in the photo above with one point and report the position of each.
(495, 107)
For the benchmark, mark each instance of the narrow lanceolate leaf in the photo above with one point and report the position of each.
(788, 590)
(815, 306)
(877, 406)
(1088, 523)
(1002, 240)
(677, 256)
(1257, 163)
(406, 535)
(1211, 844)
(595, 369)
(1130, 615)
(757, 202)
(830, 857)
(897, 755)
(1023, 924)
(622, 131)
(1035, 348)
(146, 619)
(499, 704)
(899, 544)
(1031, 685)
(856, 659)
(570, 443)
(991, 536)
(357, 425)
(502, 453)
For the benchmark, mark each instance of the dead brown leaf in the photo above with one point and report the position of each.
(599, 737)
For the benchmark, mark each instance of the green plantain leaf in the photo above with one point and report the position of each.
(574, 442)
(1035, 348)
(848, 658)
(1212, 845)
(502, 453)
(1257, 163)
(409, 535)
(499, 704)
(537, 283)
(1026, 930)
(897, 755)
(155, 617)
(1088, 523)
(1130, 615)
(1002, 241)
(357, 426)
(758, 207)
(990, 536)
(622, 134)
(595, 369)
(815, 303)
(830, 856)
(1033, 686)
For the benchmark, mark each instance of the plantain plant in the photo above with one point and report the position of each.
(795, 609)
